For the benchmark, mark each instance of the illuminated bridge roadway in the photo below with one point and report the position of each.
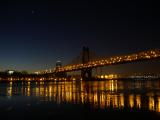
(140, 56)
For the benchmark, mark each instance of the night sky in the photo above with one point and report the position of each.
(35, 34)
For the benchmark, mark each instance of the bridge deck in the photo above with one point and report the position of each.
(146, 55)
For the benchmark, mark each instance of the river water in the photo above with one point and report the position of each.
(114, 99)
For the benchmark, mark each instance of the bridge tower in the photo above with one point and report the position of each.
(86, 74)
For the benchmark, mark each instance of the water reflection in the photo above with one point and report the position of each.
(100, 94)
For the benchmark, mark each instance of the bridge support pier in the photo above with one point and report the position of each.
(86, 74)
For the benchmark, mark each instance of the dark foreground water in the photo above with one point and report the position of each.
(111, 99)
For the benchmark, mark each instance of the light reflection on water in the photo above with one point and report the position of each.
(98, 94)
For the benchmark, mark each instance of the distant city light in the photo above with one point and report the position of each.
(11, 71)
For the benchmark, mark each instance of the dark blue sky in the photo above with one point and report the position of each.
(34, 34)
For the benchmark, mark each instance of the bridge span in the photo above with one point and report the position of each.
(86, 64)
(86, 67)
